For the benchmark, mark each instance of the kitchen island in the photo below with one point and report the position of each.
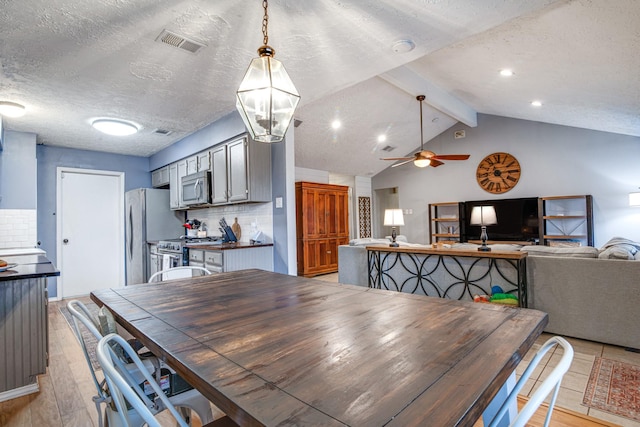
(23, 323)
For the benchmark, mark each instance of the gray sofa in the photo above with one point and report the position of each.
(589, 293)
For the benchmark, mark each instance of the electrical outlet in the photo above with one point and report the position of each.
(459, 134)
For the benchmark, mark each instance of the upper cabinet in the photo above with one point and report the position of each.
(240, 172)
(160, 177)
(176, 172)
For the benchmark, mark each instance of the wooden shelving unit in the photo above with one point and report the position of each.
(444, 222)
(566, 219)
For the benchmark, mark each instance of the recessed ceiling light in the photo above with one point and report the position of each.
(382, 138)
(403, 46)
(11, 109)
(115, 127)
(336, 124)
(536, 103)
(506, 72)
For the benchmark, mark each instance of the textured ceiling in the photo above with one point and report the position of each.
(71, 61)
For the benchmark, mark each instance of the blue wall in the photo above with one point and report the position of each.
(136, 171)
(18, 171)
(227, 127)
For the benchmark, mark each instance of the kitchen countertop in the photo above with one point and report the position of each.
(226, 246)
(28, 267)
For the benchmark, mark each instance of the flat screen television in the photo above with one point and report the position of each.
(517, 220)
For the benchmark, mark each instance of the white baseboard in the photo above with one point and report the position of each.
(20, 391)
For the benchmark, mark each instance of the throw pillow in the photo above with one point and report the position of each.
(616, 252)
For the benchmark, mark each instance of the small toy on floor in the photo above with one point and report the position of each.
(498, 296)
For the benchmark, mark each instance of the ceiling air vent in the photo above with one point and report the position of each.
(181, 42)
(162, 132)
(388, 148)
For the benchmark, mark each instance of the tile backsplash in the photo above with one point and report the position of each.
(260, 214)
(18, 228)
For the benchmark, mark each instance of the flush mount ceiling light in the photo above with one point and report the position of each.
(115, 127)
(11, 109)
(267, 98)
(506, 72)
(536, 103)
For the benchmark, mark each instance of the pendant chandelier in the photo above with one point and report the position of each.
(267, 98)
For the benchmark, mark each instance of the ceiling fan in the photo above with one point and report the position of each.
(424, 158)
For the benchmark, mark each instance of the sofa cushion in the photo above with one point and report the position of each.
(368, 241)
(577, 252)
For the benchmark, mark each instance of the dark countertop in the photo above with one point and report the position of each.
(227, 246)
(28, 267)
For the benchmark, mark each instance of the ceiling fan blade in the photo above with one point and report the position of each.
(397, 158)
(435, 163)
(402, 163)
(451, 157)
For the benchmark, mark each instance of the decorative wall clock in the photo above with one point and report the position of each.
(498, 173)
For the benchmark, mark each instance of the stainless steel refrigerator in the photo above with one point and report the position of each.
(148, 219)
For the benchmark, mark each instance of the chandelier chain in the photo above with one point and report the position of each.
(265, 23)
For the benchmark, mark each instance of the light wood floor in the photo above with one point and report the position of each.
(66, 389)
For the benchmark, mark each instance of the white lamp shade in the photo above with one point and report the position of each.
(483, 215)
(393, 217)
(634, 199)
(267, 99)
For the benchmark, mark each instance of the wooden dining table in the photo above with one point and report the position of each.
(272, 349)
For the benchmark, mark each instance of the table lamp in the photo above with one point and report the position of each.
(483, 216)
(393, 218)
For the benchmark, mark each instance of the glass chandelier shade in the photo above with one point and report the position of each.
(422, 162)
(267, 98)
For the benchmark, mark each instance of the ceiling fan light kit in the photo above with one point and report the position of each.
(424, 158)
(267, 98)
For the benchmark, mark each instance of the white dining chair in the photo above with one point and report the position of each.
(122, 386)
(186, 401)
(550, 384)
(178, 273)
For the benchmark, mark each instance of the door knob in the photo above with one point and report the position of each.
(65, 241)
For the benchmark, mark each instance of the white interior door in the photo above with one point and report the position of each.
(90, 230)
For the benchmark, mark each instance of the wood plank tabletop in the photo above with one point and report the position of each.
(271, 349)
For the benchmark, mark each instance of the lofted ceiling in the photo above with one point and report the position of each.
(71, 61)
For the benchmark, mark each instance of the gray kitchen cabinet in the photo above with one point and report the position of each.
(174, 186)
(241, 172)
(196, 258)
(176, 172)
(223, 260)
(192, 165)
(203, 161)
(160, 177)
(219, 174)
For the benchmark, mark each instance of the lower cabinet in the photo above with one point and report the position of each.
(319, 256)
(24, 334)
(234, 259)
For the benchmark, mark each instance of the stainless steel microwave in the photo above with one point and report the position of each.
(196, 189)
